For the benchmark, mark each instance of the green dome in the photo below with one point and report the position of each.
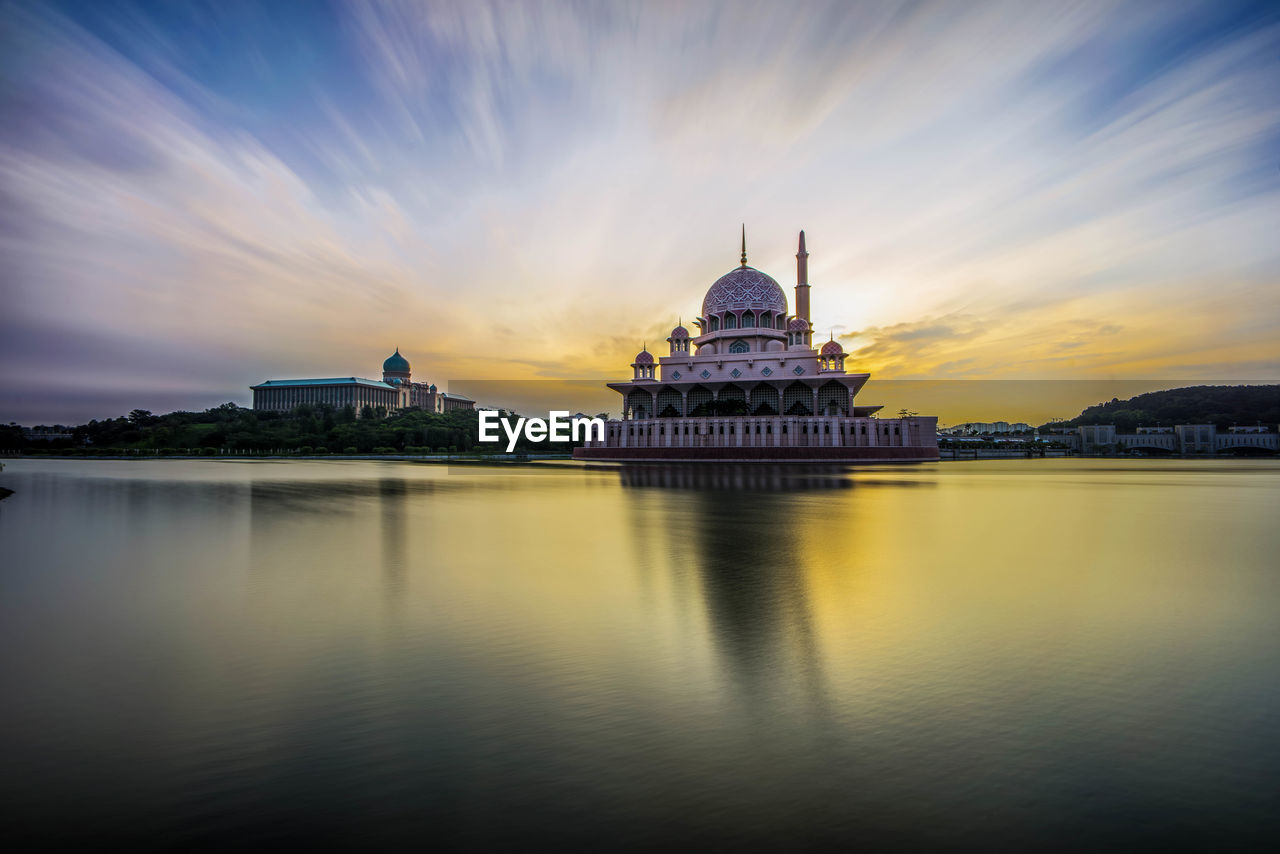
(396, 364)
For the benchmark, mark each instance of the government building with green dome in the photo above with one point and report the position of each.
(396, 390)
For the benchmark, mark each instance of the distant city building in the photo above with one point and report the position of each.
(396, 390)
(1196, 438)
(1178, 439)
(47, 434)
(448, 402)
(1097, 435)
(750, 385)
(985, 428)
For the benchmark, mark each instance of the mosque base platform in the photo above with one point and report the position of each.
(922, 454)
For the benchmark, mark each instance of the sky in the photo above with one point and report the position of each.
(198, 197)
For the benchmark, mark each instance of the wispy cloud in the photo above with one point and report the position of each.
(512, 189)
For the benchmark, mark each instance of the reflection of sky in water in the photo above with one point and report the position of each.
(917, 655)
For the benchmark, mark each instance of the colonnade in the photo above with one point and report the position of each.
(768, 432)
(663, 399)
(285, 398)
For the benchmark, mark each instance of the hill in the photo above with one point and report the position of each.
(1222, 405)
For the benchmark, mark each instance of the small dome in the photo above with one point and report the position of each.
(679, 332)
(396, 364)
(798, 324)
(644, 357)
(832, 348)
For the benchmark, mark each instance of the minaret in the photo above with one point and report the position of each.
(802, 281)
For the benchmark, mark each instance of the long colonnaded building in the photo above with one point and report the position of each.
(750, 386)
(395, 391)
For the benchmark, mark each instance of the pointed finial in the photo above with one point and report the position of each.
(833, 332)
(802, 242)
(744, 244)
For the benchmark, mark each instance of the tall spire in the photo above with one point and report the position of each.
(744, 244)
(802, 280)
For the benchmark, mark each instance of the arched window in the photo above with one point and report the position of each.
(730, 322)
(797, 399)
(748, 320)
(764, 400)
(833, 399)
(640, 403)
(669, 404)
(739, 346)
(715, 324)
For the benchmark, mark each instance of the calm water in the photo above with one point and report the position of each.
(1053, 654)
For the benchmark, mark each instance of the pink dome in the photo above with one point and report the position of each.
(644, 357)
(744, 288)
(799, 324)
(679, 332)
(832, 348)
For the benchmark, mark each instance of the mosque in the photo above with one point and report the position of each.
(395, 391)
(751, 386)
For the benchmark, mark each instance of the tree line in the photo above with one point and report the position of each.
(1221, 405)
(309, 429)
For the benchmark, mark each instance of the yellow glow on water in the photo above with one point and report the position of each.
(973, 636)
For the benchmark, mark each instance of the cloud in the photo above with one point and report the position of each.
(535, 189)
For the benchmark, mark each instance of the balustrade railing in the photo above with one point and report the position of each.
(769, 432)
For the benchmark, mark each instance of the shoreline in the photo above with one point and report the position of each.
(509, 459)
(334, 458)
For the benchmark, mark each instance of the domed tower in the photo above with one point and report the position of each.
(643, 365)
(679, 341)
(396, 367)
(799, 334)
(831, 356)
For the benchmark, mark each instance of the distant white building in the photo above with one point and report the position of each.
(1178, 439)
(985, 428)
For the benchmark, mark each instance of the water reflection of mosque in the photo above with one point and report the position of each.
(742, 530)
(331, 517)
(740, 477)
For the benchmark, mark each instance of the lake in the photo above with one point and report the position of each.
(1047, 654)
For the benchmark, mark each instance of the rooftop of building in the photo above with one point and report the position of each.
(324, 381)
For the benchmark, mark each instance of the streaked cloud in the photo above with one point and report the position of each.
(525, 190)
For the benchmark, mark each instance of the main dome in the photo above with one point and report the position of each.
(744, 288)
(395, 364)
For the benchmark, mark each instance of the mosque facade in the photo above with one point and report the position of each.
(750, 385)
(396, 390)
